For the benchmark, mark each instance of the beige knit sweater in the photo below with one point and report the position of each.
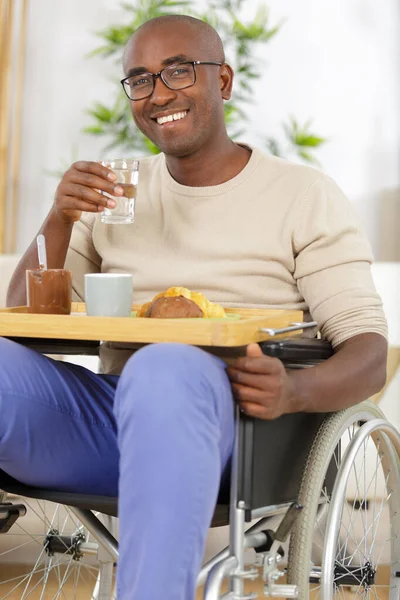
(277, 235)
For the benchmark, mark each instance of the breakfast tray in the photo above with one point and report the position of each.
(243, 325)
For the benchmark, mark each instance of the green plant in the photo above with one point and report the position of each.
(241, 39)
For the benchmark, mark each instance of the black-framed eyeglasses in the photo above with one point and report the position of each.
(175, 77)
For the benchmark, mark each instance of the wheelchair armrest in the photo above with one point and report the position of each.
(298, 350)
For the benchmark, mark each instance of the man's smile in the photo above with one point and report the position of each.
(170, 118)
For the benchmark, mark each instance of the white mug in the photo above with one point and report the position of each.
(108, 294)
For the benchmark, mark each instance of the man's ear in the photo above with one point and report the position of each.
(226, 79)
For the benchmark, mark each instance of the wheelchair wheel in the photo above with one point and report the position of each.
(346, 544)
(49, 554)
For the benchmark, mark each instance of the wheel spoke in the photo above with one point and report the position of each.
(366, 532)
(59, 575)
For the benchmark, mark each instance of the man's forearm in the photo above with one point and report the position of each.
(355, 372)
(58, 235)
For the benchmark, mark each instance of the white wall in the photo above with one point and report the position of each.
(339, 62)
(60, 84)
(336, 62)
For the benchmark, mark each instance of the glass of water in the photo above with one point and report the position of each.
(127, 172)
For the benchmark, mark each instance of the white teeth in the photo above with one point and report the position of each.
(170, 118)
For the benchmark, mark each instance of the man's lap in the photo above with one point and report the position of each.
(57, 427)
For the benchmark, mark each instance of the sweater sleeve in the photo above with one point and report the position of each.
(82, 256)
(333, 266)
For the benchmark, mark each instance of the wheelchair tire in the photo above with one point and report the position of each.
(48, 553)
(365, 528)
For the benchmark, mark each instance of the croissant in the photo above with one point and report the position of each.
(180, 302)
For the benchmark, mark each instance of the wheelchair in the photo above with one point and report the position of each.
(313, 511)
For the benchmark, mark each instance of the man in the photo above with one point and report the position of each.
(211, 215)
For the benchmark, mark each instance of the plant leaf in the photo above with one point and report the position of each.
(94, 130)
(101, 113)
(308, 157)
(273, 146)
(308, 140)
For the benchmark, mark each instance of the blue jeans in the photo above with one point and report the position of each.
(160, 436)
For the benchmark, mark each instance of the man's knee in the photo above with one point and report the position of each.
(174, 374)
(162, 359)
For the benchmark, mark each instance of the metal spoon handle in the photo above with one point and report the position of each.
(41, 246)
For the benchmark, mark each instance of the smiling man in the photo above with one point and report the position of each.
(216, 216)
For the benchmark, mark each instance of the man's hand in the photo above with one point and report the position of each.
(260, 384)
(79, 190)
(265, 390)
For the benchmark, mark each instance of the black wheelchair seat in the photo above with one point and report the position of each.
(105, 504)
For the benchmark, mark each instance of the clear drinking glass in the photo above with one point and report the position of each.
(127, 172)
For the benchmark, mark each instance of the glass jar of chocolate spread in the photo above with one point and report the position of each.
(49, 291)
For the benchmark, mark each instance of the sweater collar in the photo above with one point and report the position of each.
(214, 190)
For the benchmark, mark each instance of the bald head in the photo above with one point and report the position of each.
(205, 39)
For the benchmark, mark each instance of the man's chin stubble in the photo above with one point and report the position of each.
(177, 150)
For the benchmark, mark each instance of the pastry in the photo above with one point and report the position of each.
(180, 302)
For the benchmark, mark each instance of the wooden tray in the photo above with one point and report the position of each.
(17, 322)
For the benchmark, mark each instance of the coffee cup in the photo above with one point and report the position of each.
(108, 294)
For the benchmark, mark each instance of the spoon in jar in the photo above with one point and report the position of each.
(41, 247)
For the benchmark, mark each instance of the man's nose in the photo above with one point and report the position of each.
(162, 94)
